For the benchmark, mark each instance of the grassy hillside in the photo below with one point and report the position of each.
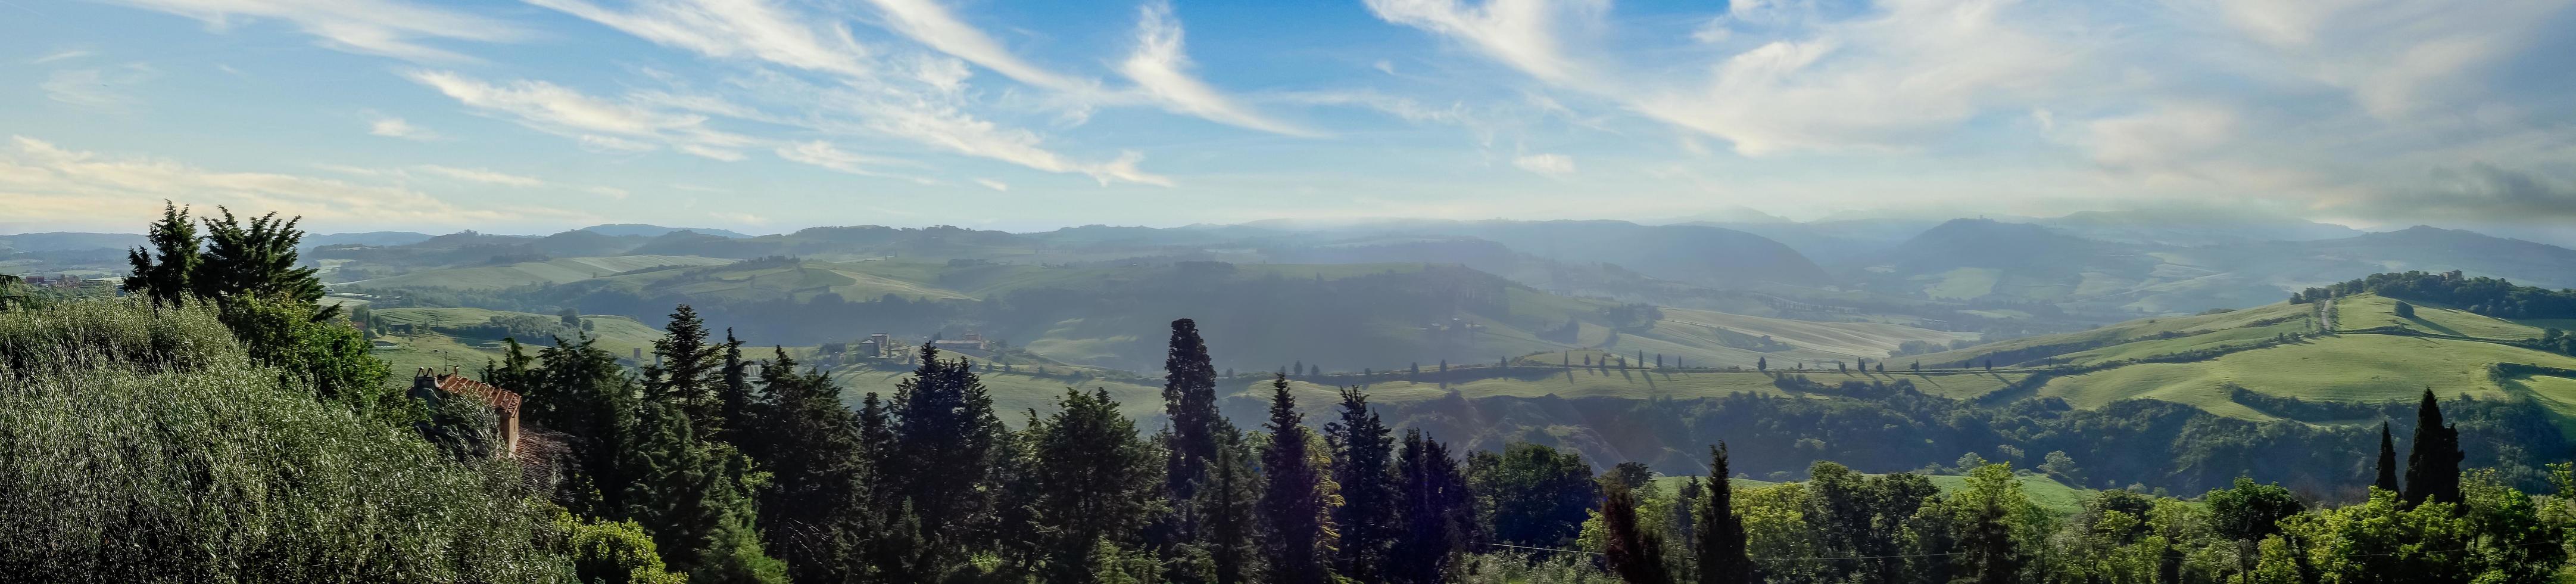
(445, 343)
(555, 271)
(2049, 494)
(2371, 312)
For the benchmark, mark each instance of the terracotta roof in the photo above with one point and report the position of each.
(496, 397)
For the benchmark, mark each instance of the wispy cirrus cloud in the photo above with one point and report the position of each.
(934, 25)
(1545, 164)
(918, 99)
(393, 127)
(98, 88)
(595, 122)
(1162, 70)
(41, 181)
(391, 28)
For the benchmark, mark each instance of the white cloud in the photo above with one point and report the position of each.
(97, 88)
(2160, 140)
(1520, 33)
(392, 127)
(930, 23)
(993, 184)
(610, 192)
(732, 29)
(483, 176)
(918, 99)
(40, 181)
(378, 27)
(1546, 164)
(824, 154)
(597, 123)
(65, 54)
(1159, 66)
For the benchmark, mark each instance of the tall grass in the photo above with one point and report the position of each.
(144, 446)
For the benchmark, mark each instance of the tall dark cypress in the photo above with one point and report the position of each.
(1291, 502)
(2433, 467)
(1633, 553)
(1189, 400)
(1366, 520)
(1099, 482)
(2387, 460)
(1721, 551)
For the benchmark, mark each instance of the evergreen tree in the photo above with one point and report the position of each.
(944, 434)
(692, 497)
(2433, 466)
(1721, 553)
(1685, 502)
(813, 507)
(162, 272)
(686, 369)
(1227, 502)
(1538, 496)
(1633, 553)
(1439, 515)
(1367, 518)
(1189, 401)
(1761, 364)
(734, 398)
(1291, 504)
(2387, 460)
(1099, 483)
(581, 390)
(255, 260)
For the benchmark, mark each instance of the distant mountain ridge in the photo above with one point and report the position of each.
(624, 229)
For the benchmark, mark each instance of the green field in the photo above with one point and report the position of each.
(2056, 497)
(2368, 312)
(556, 271)
(2345, 368)
(2295, 316)
(617, 334)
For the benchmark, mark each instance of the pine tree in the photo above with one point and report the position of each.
(1366, 520)
(734, 398)
(1291, 505)
(813, 502)
(692, 497)
(1101, 483)
(2387, 460)
(1228, 504)
(256, 260)
(685, 374)
(164, 277)
(945, 435)
(1721, 551)
(2433, 466)
(1633, 553)
(1685, 501)
(1438, 513)
(581, 390)
(1189, 401)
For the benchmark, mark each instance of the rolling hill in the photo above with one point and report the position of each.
(554, 271)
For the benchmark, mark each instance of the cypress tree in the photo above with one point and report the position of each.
(1633, 553)
(1721, 551)
(581, 390)
(1366, 520)
(1189, 401)
(2387, 460)
(1291, 504)
(2433, 467)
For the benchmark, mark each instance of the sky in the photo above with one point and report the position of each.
(767, 116)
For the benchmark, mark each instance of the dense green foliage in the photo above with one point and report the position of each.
(2482, 295)
(149, 445)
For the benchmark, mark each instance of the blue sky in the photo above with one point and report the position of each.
(771, 115)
